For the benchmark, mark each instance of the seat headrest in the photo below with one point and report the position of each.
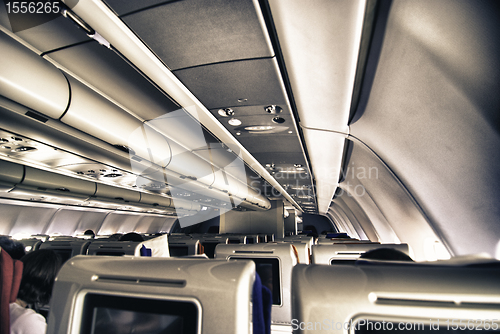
(11, 272)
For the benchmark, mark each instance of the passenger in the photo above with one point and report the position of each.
(90, 233)
(115, 236)
(14, 248)
(387, 254)
(313, 232)
(131, 236)
(39, 272)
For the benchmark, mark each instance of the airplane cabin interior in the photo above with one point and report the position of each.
(253, 166)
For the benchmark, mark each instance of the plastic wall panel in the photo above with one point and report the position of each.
(31, 81)
(117, 222)
(349, 204)
(16, 219)
(43, 179)
(65, 221)
(150, 224)
(369, 180)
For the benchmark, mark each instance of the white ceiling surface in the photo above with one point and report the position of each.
(320, 45)
(432, 114)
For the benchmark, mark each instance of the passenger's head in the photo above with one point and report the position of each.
(89, 233)
(39, 272)
(131, 236)
(14, 248)
(386, 254)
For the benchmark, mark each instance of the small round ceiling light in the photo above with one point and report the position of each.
(238, 133)
(290, 131)
(278, 120)
(242, 100)
(226, 112)
(273, 109)
(234, 122)
(260, 128)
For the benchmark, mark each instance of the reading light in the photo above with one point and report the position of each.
(273, 109)
(259, 128)
(234, 122)
(226, 112)
(278, 120)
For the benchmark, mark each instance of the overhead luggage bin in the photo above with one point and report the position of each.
(53, 181)
(31, 81)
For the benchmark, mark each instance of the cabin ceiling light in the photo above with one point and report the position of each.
(273, 109)
(278, 120)
(226, 112)
(234, 122)
(259, 128)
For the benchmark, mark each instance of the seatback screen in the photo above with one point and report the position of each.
(210, 248)
(105, 314)
(178, 250)
(65, 254)
(269, 272)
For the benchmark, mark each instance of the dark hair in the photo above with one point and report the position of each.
(39, 272)
(131, 236)
(14, 248)
(89, 232)
(388, 254)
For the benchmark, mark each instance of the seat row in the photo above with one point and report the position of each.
(197, 295)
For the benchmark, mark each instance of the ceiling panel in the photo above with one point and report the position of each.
(222, 85)
(271, 143)
(252, 110)
(127, 6)
(202, 32)
(281, 159)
